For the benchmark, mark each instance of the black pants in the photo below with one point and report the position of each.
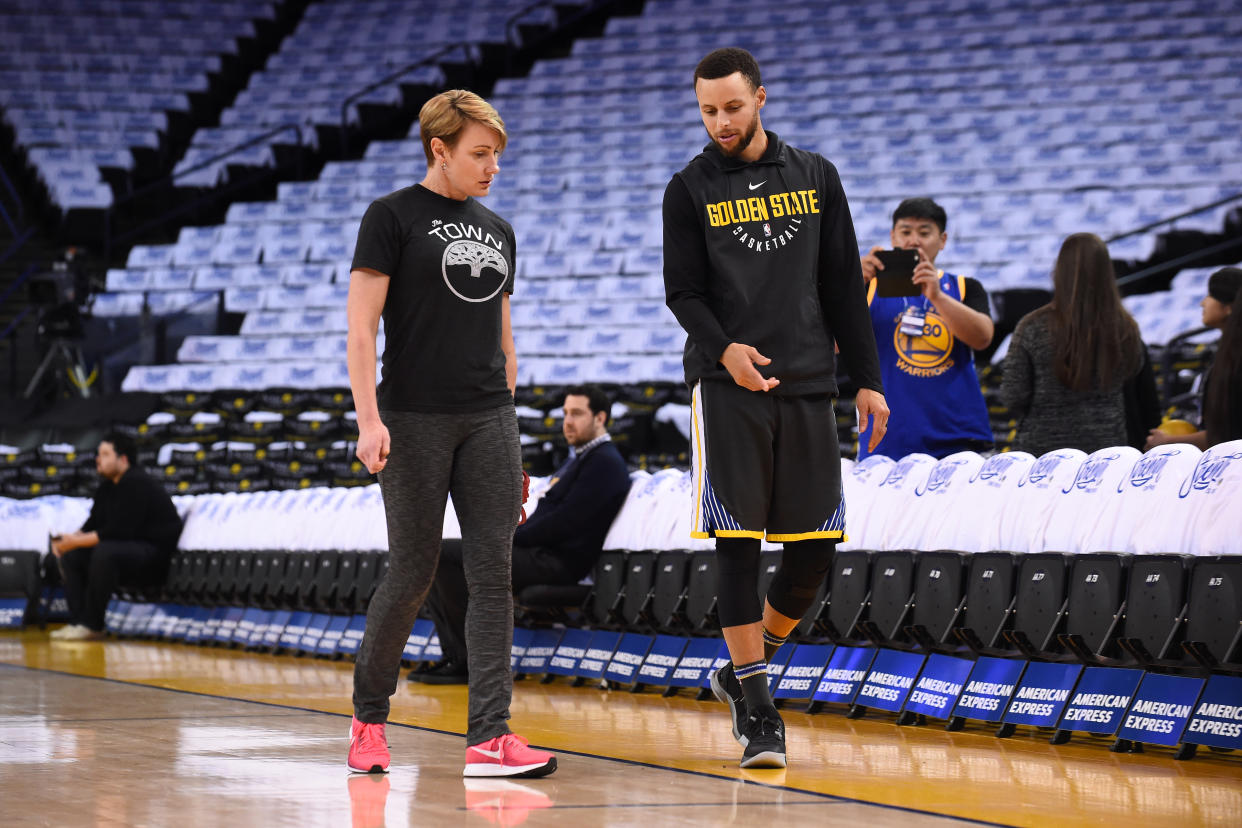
(477, 459)
(447, 601)
(93, 573)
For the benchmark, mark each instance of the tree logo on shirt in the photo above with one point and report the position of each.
(474, 271)
(927, 355)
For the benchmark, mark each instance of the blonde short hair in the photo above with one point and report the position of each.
(447, 114)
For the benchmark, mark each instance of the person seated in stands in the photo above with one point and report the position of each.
(1069, 362)
(558, 544)
(127, 540)
(927, 343)
(1222, 383)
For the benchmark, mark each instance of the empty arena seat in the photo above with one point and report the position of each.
(701, 592)
(640, 567)
(1155, 603)
(939, 584)
(990, 589)
(609, 577)
(891, 594)
(848, 590)
(1039, 601)
(239, 578)
(357, 597)
(272, 593)
(1213, 631)
(1097, 591)
(669, 591)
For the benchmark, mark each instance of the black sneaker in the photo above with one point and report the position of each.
(445, 672)
(729, 690)
(765, 744)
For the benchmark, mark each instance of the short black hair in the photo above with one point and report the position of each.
(724, 62)
(122, 444)
(597, 400)
(921, 208)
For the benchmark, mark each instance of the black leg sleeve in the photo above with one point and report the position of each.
(737, 579)
(804, 565)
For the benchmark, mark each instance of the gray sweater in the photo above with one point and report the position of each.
(1051, 416)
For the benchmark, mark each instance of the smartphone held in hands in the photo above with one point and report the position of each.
(896, 277)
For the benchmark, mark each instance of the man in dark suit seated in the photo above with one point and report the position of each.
(560, 541)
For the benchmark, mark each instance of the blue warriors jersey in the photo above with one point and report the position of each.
(929, 380)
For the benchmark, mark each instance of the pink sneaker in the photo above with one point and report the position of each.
(368, 749)
(507, 755)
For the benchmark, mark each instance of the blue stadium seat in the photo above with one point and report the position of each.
(121, 280)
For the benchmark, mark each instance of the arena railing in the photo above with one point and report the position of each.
(113, 240)
(432, 59)
(1187, 259)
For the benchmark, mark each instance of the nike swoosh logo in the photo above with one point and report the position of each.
(757, 186)
(491, 754)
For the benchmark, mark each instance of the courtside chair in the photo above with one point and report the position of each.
(1155, 606)
(670, 591)
(1214, 613)
(991, 589)
(1097, 607)
(701, 598)
(939, 600)
(849, 590)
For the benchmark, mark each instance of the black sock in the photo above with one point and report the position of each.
(754, 680)
(771, 643)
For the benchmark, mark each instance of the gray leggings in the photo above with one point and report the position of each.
(476, 457)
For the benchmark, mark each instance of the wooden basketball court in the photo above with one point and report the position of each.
(141, 733)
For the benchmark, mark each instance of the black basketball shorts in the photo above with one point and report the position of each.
(765, 465)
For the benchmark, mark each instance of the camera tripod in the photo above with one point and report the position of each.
(63, 355)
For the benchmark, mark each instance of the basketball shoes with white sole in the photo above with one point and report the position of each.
(368, 748)
(765, 739)
(728, 689)
(507, 755)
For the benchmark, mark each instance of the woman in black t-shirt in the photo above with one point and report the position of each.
(438, 268)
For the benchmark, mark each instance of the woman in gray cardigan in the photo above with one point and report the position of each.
(1069, 360)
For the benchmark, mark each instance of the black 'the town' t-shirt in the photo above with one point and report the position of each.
(448, 263)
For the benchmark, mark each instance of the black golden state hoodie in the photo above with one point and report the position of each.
(764, 253)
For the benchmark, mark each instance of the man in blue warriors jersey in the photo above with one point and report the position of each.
(927, 345)
(761, 269)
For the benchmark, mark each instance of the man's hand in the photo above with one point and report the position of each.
(740, 361)
(927, 277)
(373, 446)
(871, 263)
(870, 404)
